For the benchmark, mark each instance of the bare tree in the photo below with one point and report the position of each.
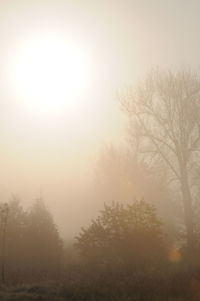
(164, 112)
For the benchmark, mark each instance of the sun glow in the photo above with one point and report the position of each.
(50, 72)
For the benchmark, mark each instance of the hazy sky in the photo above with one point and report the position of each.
(123, 39)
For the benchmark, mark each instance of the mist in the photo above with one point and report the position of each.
(99, 134)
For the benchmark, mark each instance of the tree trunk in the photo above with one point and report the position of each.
(188, 211)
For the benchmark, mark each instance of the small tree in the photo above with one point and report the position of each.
(44, 242)
(122, 234)
(16, 242)
(123, 174)
(3, 220)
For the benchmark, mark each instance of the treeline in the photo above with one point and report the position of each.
(30, 243)
(123, 253)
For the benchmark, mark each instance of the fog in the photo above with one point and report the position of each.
(99, 150)
(54, 155)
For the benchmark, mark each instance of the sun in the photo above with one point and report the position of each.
(50, 71)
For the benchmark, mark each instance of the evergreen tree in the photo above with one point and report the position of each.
(45, 245)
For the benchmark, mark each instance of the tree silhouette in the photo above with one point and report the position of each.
(123, 234)
(30, 242)
(121, 174)
(164, 112)
(4, 209)
(45, 245)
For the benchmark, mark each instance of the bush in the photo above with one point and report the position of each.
(123, 235)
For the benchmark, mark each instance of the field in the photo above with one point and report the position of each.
(170, 283)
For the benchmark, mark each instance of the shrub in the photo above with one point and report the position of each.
(123, 234)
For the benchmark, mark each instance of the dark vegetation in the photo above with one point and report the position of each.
(31, 246)
(123, 255)
(122, 235)
(146, 249)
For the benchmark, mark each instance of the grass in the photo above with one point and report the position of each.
(43, 294)
(175, 282)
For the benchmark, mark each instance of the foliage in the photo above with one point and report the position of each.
(3, 227)
(123, 234)
(122, 175)
(32, 245)
(45, 245)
